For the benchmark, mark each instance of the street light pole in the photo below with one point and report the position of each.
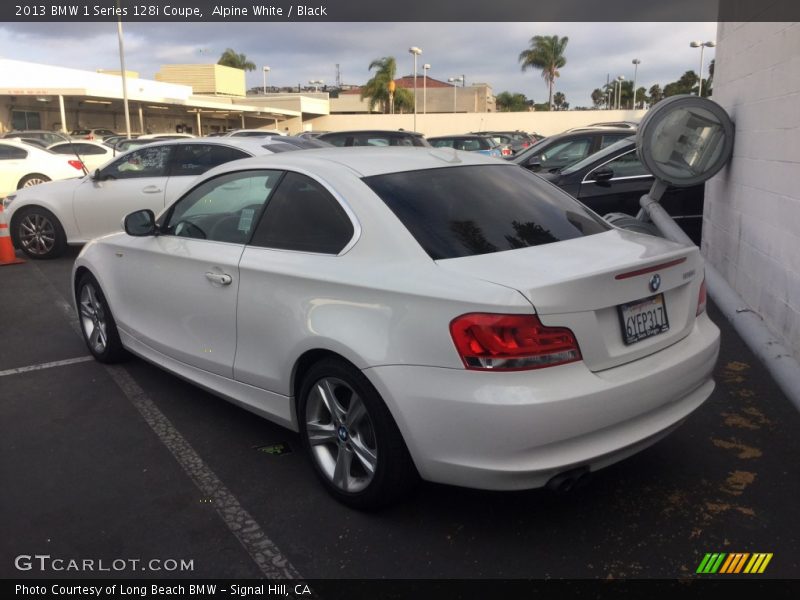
(702, 46)
(416, 52)
(620, 79)
(124, 78)
(266, 70)
(636, 62)
(425, 68)
(454, 81)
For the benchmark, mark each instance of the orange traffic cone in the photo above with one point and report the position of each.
(7, 255)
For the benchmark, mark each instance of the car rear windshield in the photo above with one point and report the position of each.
(480, 209)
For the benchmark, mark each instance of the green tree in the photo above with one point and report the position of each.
(376, 90)
(512, 102)
(641, 96)
(230, 58)
(403, 100)
(708, 84)
(598, 97)
(687, 84)
(560, 101)
(655, 94)
(546, 53)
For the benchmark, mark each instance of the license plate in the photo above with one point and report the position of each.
(643, 318)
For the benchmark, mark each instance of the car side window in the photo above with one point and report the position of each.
(571, 151)
(303, 216)
(607, 140)
(146, 162)
(442, 143)
(67, 148)
(627, 165)
(12, 153)
(336, 140)
(223, 209)
(196, 159)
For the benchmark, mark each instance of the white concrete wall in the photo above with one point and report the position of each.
(751, 226)
(545, 123)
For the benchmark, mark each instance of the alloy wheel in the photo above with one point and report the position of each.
(30, 181)
(341, 434)
(93, 319)
(37, 234)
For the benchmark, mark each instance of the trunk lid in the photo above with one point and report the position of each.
(581, 283)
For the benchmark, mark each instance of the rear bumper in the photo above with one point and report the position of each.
(507, 431)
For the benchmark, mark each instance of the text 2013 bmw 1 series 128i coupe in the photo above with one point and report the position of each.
(412, 312)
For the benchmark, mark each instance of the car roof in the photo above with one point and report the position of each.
(364, 161)
(378, 131)
(253, 145)
(24, 146)
(459, 136)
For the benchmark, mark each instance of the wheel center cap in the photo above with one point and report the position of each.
(342, 433)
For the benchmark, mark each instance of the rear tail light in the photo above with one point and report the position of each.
(90, 136)
(506, 151)
(701, 298)
(76, 163)
(491, 342)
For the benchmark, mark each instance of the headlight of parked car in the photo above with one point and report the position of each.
(7, 200)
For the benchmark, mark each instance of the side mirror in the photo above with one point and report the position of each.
(603, 174)
(534, 163)
(96, 175)
(141, 223)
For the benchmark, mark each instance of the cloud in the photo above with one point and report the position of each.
(299, 52)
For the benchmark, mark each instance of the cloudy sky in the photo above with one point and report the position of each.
(299, 52)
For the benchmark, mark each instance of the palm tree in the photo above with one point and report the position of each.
(377, 88)
(598, 97)
(546, 53)
(230, 58)
(560, 100)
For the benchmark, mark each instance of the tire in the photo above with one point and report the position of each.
(630, 223)
(32, 179)
(356, 448)
(38, 233)
(97, 323)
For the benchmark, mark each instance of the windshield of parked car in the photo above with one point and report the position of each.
(480, 209)
(593, 158)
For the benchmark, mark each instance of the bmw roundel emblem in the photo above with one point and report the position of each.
(655, 282)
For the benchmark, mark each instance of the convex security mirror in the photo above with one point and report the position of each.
(685, 140)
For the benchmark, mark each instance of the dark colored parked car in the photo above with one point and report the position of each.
(559, 151)
(374, 138)
(518, 141)
(482, 144)
(613, 180)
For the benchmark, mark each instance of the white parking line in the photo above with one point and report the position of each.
(261, 549)
(49, 365)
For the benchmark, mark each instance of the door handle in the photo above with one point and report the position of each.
(220, 278)
(152, 189)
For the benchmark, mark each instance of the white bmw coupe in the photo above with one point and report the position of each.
(412, 312)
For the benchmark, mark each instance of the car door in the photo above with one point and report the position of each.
(133, 182)
(177, 291)
(189, 161)
(615, 185)
(287, 273)
(12, 165)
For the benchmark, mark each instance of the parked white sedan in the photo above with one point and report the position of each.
(44, 219)
(24, 165)
(410, 311)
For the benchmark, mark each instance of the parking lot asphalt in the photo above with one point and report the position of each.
(130, 462)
